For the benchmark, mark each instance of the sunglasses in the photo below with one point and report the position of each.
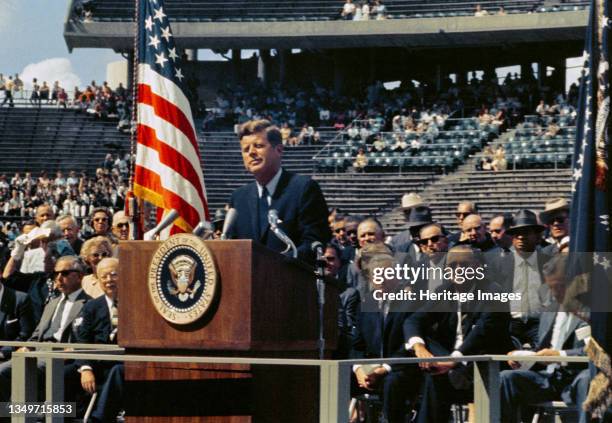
(64, 273)
(558, 219)
(123, 225)
(433, 239)
(351, 232)
(338, 230)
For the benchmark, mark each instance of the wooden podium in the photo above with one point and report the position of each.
(266, 307)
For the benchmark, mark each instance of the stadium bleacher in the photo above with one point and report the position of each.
(321, 10)
(49, 139)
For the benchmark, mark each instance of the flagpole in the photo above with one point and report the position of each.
(135, 207)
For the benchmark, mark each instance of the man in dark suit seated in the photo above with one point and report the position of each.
(379, 334)
(298, 199)
(520, 271)
(97, 324)
(557, 336)
(58, 315)
(474, 234)
(16, 318)
(446, 327)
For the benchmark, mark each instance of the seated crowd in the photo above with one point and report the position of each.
(524, 254)
(76, 194)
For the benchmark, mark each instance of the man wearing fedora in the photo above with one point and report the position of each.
(402, 242)
(556, 217)
(520, 271)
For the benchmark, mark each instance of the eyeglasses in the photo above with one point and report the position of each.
(108, 276)
(64, 273)
(98, 255)
(433, 239)
(123, 225)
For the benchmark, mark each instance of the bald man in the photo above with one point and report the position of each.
(474, 233)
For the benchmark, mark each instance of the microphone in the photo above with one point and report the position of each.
(230, 220)
(273, 220)
(316, 247)
(163, 224)
(202, 229)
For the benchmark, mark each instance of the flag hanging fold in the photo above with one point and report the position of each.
(167, 171)
(591, 204)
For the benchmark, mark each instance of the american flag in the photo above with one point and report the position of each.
(591, 186)
(167, 172)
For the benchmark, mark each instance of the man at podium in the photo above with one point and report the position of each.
(300, 204)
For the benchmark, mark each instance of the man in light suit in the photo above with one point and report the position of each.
(16, 318)
(520, 271)
(58, 315)
(556, 337)
(298, 199)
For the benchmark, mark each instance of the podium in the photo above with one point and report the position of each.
(266, 306)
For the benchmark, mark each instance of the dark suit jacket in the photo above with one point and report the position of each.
(377, 336)
(16, 319)
(47, 316)
(484, 331)
(93, 326)
(300, 205)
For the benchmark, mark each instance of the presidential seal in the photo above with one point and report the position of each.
(182, 279)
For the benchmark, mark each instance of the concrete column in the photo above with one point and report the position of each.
(541, 74)
(526, 71)
(438, 81)
(283, 58)
(262, 62)
(130, 70)
(338, 77)
(236, 64)
(191, 54)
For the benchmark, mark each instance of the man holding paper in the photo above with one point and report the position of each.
(559, 334)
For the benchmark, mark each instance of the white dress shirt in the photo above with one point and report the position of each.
(270, 186)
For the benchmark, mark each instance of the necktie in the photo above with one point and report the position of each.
(263, 208)
(114, 314)
(56, 323)
(114, 320)
(525, 309)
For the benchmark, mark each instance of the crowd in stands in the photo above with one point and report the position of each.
(73, 193)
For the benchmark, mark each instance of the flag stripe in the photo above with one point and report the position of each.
(170, 179)
(171, 199)
(163, 87)
(167, 134)
(167, 111)
(170, 157)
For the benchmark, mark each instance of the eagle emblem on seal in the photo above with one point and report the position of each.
(182, 272)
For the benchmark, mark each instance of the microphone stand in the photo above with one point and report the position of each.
(319, 276)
